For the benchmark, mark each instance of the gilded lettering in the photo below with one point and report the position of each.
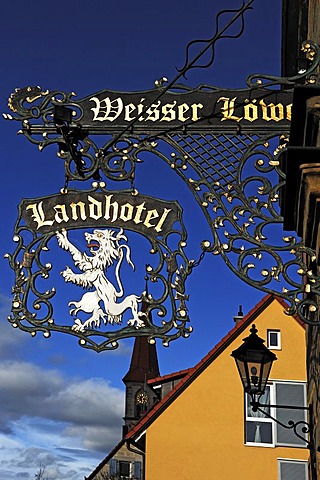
(74, 210)
(61, 213)
(115, 207)
(288, 111)
(38, 215)
(182, 109)
(106, 109)
(251, 111)
(151, 215)
(95, 208)
(277, 112)
(140, 108)
(265, 115)
(159, 225)
(233, 109)
(227, 109)
(168, 111)
(126, 212)
(194, 108)
(272, 111)
(98, 208)
(153, 112)
(139, 209)
(128, 109)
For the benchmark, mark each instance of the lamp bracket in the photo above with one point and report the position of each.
(299, 428)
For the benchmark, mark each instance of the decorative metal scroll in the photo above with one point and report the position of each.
(224, 144)
(237, 182)
(300, 428)
(99, 314)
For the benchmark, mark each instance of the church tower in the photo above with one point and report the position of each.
(139, 396)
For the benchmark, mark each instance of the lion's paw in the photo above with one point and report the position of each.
(62, 238)
(78, 326)
(92, 321)
(137, 323)
(140, 324)
(67, 274)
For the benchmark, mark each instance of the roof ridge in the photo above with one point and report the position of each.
(169, 375)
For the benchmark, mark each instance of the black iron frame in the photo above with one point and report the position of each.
(238, 207)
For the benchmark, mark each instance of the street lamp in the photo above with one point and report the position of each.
(254, 361)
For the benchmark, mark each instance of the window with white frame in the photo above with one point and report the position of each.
(292, 469)
(259, 428)
(274, 339)
(262, 430)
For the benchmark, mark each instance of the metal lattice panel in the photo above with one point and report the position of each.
(217, 156)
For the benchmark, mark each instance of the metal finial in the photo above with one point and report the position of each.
(253, 329)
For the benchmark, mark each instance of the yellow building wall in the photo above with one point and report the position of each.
(200, 436)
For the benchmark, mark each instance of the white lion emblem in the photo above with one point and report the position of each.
(105, 249)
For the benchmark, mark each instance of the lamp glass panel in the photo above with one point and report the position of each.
(243, 372)
(265, 372)
(254, 382)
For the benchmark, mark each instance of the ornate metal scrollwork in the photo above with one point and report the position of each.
(311, 52)
(225, 145)
(219, 34)
(237, 182)
(167, 270)
(300, 428)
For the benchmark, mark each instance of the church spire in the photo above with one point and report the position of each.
(144, 362)
(139, 396)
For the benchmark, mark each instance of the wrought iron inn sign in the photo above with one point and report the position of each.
(224, 144)
(103, 215)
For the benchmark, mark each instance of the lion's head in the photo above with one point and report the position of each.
(104, 247)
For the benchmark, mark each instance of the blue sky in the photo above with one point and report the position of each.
(62, 406)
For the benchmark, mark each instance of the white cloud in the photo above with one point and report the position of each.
(25, 462)
(66, 423)
(63, 423)
(92, 402)
(45, 393)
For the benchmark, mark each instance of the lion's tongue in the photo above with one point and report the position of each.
(93, 245)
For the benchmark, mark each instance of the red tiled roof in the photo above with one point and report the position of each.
(155, 411)
(168, 377)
